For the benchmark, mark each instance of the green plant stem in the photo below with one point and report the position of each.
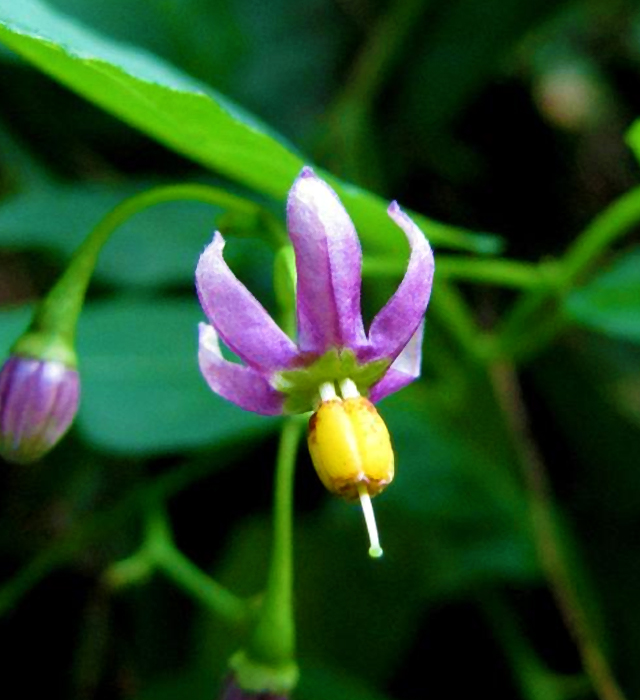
(159, 552)
(537, 316)
(273, 640)
(550, 550)
(613, 223)
(504, 273)
(451, 310)
(100, 525)
(198, 585)
(348, 139)
(380, 52)
(52, 331)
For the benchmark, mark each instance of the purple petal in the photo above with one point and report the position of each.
(239, 319)
(405, 368)
(329, 265)
(398, 320)
(244, 386)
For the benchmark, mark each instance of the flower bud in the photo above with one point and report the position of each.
(350, 447)
(38, 402)
(232, 691)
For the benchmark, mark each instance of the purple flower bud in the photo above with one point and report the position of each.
(232, 692)
(38, 402)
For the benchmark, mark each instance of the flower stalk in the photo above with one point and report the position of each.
(39, 384)
(267, 662)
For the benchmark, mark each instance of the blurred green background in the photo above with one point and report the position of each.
(500, 116)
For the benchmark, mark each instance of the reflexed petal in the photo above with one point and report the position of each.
(239, 319)
(244, 386)
(398, 320)
(329, 264)
(405, 368)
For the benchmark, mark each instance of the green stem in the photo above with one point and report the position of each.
(380, 52)
(52, 331)
(159, 553)
(267, 661)
(613, 223)
(451, 310)
(537, 316)
(274, 637)
(555, 563)
(198, 585)
(504, 273)
(100, 525)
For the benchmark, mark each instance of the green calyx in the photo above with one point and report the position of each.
(301, 385)
(256, 677)
(49, 347)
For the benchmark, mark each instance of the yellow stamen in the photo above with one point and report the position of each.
(351, 450)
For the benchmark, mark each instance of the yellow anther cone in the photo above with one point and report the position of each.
(351, 452)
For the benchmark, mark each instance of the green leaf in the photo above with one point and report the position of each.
(610, 303)
(633, 138)
(188, 116)
(142, 391)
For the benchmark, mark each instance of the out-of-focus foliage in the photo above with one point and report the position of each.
(506, 117)
(610, 303)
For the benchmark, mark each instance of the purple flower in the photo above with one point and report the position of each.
(280, 376)
(38, 401)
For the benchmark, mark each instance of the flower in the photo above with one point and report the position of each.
(334, 360)
(38, 402)
(277, 374)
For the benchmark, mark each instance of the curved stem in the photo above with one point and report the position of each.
(101, 524)
(613, 223)
(198, 585)
(537, 316)
(550, 549)
(159, 553)
(451, 310)
(52, 331)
